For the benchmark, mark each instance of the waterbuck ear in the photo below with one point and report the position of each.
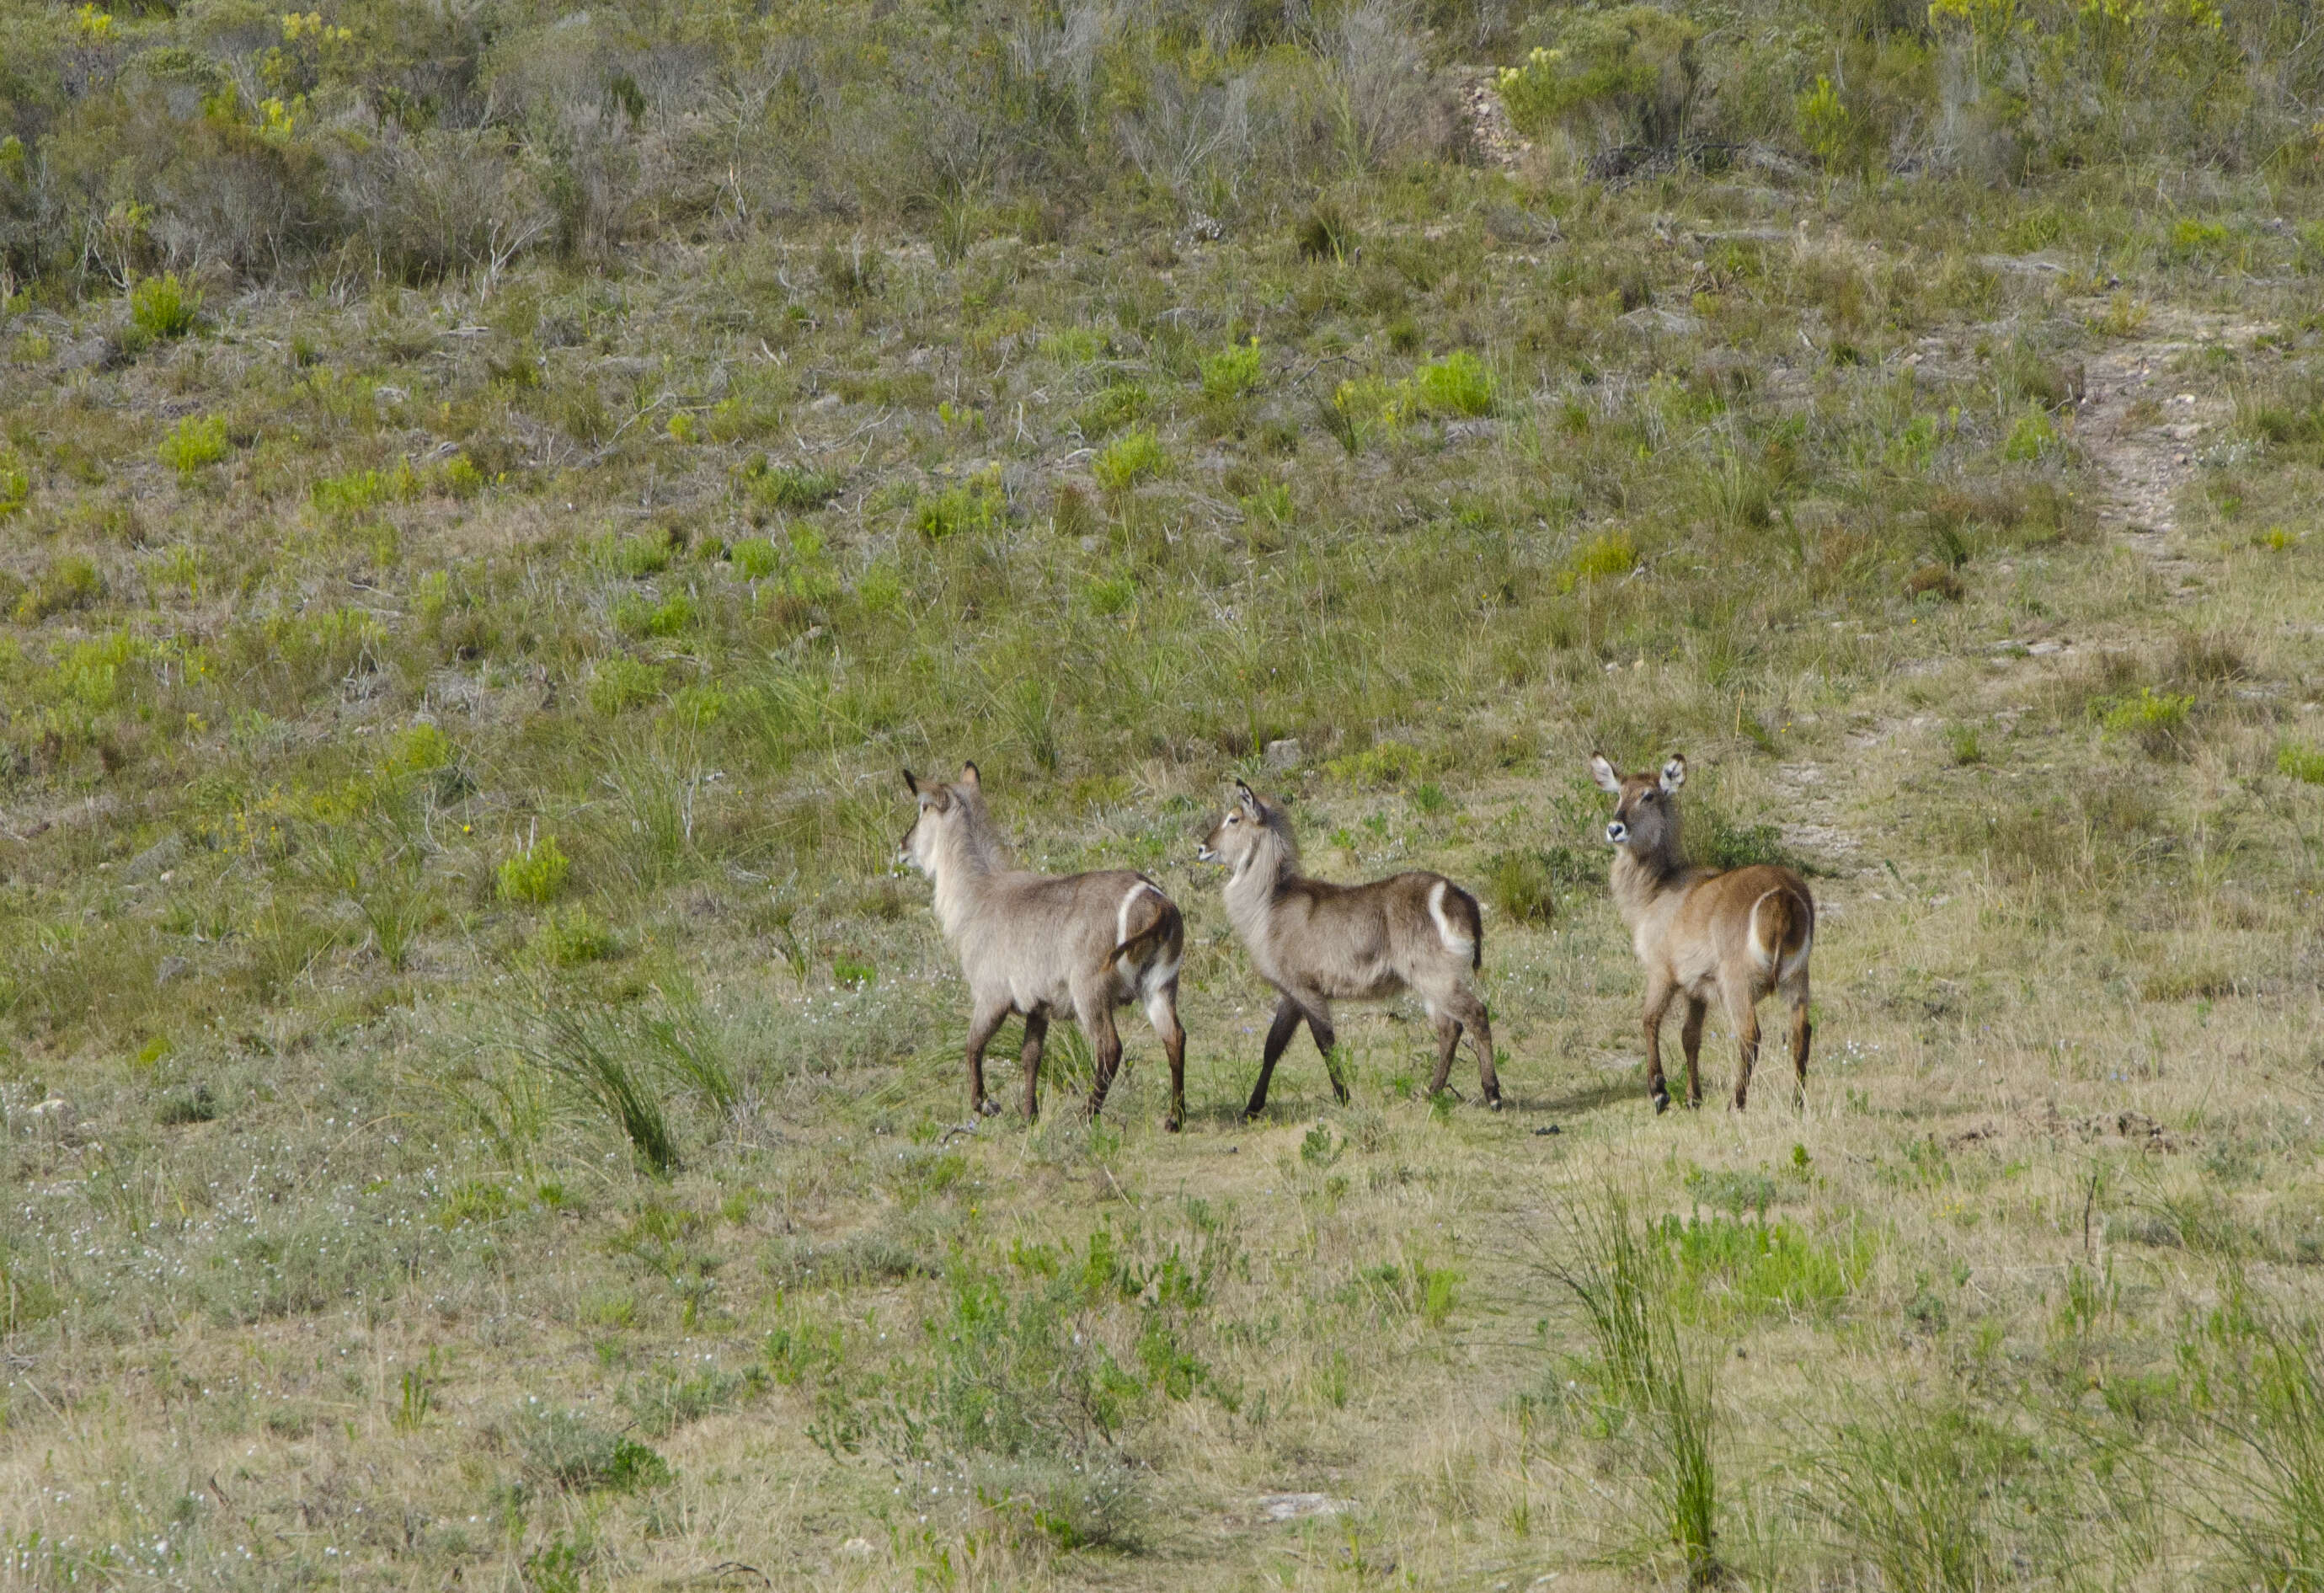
(1249, 799)
(912, 780)
(1673, 773)
(969, 777)
(1603, 773)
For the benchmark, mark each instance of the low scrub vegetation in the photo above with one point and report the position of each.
(490, 495)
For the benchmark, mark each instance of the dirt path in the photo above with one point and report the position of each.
(2145, 426)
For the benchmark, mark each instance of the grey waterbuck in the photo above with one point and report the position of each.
(1317, 942)
(1036, 943)
(1736, 934)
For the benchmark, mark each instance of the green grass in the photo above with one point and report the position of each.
(481, 1103)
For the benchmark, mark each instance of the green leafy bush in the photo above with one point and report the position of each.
(793, 487)
(620, 683)
(68, 583)
(1136, 456)
(1233, 371)
(572, 1450)
(536, 874)
(570, 937)
(1607, 555)
(1627, 77)
(2302, 763)
(1458, 384)
(15, 484)
(163, 307)
(194, 442)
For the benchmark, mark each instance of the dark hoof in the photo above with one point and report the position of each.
(988, 1106)
(1171, 1125)
(1492, 1103)
(1661, 1100)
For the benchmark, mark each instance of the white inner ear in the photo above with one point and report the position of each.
(1674, 774)
(1603, 773)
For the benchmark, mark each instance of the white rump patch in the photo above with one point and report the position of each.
(1122, 913)
(1455, 942)
(1767, 954)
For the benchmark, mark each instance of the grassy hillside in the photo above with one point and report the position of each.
(489, 499)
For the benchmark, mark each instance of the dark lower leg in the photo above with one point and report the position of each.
(1691, 1037)
(982, 1027)
(1037, 1034)
(1747, 1035)
(1802, 1033)
(1655, 1087)
(1481, 1035)
(1108, 1048)
(1448, 1040)
(1278, 1036)
(1320, 1026)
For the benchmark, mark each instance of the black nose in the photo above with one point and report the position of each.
(1618, 831)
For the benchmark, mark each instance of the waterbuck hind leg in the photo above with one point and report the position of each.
(1801, 1033)
(1319, 1026)
(1105, 1040)
(1162, 1012)
(1037, 1035)
(984, 1023)
(1691, 1037)
(1746, 1014)
(1288, 1018)
(1658, 997)
(1479, 1023)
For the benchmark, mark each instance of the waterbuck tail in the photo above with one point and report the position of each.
(1460, 921)
(1781, 923)
(1147, 922)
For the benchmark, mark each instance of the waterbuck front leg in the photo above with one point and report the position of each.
(983, 1023)
(1691, 1037)
(1105, 1040)
(1162, 1012)
(1448, 1039)
(1659, 990)
(1288, 1018)
(1037, 1035)
(1745, 1012)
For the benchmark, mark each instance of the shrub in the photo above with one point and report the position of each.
(1520, 885)
(572, 1450)
(1625, 76)
(1233, 371)
(1609, 554)
(15, 484)
(620, 683)
(756, 557)
(2305, 764)
(193, 442)
(2154, 720)
(570, 937)
(634, 614)
(69, 583)
(535, 875)
(792, 487)
(360, 491)
(1458, 384)
(976, 504)
(1325, 233)
(2033, 435)
(163, 307)
(1112, 409)
(640, 556)
(1136, 456)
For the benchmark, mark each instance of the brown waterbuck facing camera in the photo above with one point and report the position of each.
(1316, 943)
(1035, 943)
(1736, 934)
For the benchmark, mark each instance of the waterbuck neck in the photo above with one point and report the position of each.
(1640, 881)
(959, 876)
(1271, 863)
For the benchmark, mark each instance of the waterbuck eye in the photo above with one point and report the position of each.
(1234, 818)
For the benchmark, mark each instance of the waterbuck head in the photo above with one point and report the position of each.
(1249, 825)
(945, 812)
(1645, 813)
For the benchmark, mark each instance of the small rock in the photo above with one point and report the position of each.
(2043, 649)
(1283, 754)
(154, 858)
(171, 968)
(56, 1114)
(857, 1548)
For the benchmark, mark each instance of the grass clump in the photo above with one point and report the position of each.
(15, 484)
(1458, 384)
(1651, 1388)
(793, 487)
(620, 683)
(1606, 557)
(534, 876)
(1521, 885)
(194, 442)
(569, 938)
(1233, 371)
(1918, 1491)
(69, 583)
(2156, 721)
(569, 1448)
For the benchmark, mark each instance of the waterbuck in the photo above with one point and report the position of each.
(1033, 944)
(1317, 942)
(1737, 933)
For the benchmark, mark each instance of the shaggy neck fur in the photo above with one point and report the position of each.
(1271, 863)
(1643, 876)
(967, 854)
